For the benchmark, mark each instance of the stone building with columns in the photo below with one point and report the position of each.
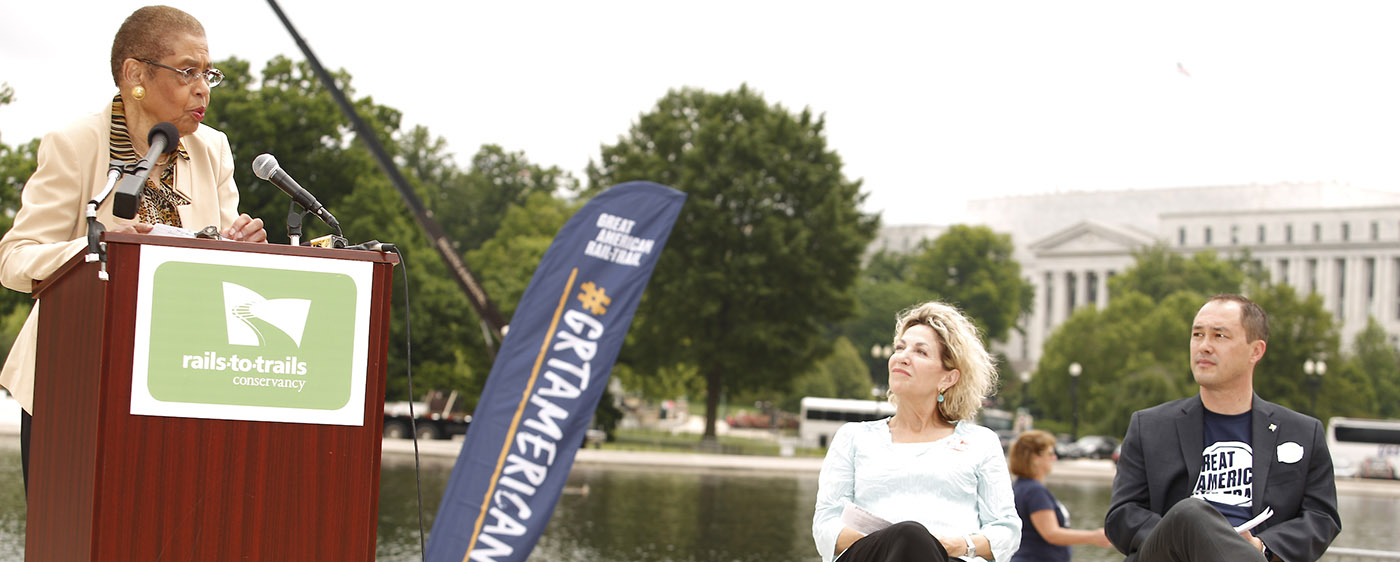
(1336, 240)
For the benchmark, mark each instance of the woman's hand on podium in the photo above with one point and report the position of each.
(133, 228)
(245, 229)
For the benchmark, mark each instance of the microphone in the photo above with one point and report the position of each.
(266, 168)
(164, 139)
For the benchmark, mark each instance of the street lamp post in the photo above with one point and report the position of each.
(1314, 370)
(878, 352)
(1025, 388)
(1074, 371)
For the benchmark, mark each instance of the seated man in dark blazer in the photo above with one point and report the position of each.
(1192, 470)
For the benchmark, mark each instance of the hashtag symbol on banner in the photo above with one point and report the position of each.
(594, 298)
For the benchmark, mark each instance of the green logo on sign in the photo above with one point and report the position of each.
(247, 336)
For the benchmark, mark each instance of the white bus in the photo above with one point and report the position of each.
(821, 417)
(1368, 448)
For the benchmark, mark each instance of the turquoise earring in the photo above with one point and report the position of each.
(940, 398)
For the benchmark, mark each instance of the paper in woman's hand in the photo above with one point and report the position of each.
(862, 520)
(167, 230)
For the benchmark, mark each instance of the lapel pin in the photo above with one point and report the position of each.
(1273, 427)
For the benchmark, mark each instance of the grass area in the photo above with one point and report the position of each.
(665, 441)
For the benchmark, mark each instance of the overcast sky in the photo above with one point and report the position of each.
(930, 103)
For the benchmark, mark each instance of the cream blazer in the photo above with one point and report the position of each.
(51, 227)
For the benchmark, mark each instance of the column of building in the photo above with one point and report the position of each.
(1039, 317)
(1386, 287)
(1081, 289)
(1354, 295)
(1325, 280)
(1059, 297)
(1103, 289)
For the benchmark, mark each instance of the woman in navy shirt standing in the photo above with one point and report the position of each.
(1045, 536)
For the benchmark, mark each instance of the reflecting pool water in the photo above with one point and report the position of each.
(668, 515)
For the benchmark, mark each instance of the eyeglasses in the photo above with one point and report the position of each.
(189, 75)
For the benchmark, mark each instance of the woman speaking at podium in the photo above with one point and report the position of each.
(160, 64)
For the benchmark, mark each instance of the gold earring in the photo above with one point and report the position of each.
(138, 93)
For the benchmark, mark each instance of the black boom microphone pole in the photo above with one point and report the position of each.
(485, 309)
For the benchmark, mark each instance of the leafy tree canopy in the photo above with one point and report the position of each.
(1158, 272)
(1134, 353)
(765, 252)
(284, 110)
(842, 374)
(971, 267)
(17, 163)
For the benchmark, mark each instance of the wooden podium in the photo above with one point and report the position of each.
(108, 485)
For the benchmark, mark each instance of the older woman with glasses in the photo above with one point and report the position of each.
(160, 65)
(1046, 536)
(937, 476)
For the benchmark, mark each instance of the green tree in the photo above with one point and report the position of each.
(1374, 359)
(765, 252)
(1300, 328)
(885, 266)
(664, 383)
(877, 303)
(971, 267)
(508, 260)
(1135, 352)
(842, 374)
(284, 110)
(1134, 340)
(498, 181)
(1375, 355)
(17, 163)
(1158, 272)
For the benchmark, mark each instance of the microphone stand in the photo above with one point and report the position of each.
(294, 223)
(295, 215)
(97, 249)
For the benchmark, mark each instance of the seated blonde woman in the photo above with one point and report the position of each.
(940, 478)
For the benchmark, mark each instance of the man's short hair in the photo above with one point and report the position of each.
(1252, 316)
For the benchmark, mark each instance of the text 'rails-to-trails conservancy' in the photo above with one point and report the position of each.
(249, 336)
(290, 365)
(211, 361)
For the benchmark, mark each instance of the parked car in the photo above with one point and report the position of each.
(1092, 447)
(1377, 467)
(1064, 446)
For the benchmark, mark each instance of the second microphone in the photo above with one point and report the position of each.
(266, 168)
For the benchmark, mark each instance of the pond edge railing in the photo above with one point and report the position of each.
(1361, 553)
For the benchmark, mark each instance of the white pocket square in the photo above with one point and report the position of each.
(1290, 452)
